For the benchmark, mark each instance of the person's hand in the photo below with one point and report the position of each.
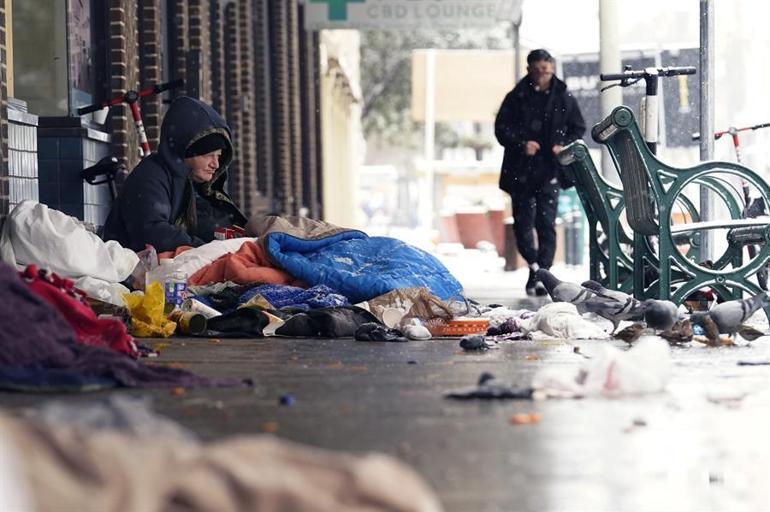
(557, 148)
(531, 147)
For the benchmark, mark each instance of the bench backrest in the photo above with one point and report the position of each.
(621, 134)
(590, 186)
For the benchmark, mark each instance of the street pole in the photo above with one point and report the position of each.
(706, 112)
(516, 25)
(426, 196)
(609, 62)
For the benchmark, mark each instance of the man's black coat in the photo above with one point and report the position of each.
(563, 123)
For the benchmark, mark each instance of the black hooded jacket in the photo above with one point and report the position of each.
(518, 120)
(159, 203)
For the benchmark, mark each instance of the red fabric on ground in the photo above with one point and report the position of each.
(247, 265)
(89, 329)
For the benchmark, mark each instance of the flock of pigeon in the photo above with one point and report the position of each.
(661, 316)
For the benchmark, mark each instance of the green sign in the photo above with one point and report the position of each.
(409, 14)
(338, 9)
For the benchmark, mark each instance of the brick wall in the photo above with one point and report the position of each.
(295, 116)
(4, 192)
(217, 55)
(281, 107)
(178, 12)
(150, 66)
(247, 150)
(124, 75)
(200, 40)
(262, 107)
(308, 56)
(233, 101)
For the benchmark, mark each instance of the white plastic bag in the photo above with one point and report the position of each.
(644, 368)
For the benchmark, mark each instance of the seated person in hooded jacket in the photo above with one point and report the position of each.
(177, 196)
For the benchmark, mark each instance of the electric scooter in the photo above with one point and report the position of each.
(756, 207)
(650, 106)
(105, 170)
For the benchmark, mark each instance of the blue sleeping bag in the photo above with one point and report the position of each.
(358, 266)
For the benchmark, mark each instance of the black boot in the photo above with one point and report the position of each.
(532, 282)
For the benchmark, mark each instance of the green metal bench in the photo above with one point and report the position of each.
(651, 191)
(604, 205)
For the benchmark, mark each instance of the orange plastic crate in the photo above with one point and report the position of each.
(460, 327)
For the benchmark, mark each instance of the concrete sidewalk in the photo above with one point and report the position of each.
(698, 446)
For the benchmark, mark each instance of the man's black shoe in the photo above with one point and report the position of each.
(532, 282)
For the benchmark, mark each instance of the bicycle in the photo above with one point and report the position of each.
(105, 170)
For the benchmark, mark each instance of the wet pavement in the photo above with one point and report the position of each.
(701, 445)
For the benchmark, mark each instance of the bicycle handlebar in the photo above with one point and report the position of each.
(642, 73)
(732, 130)
(133, 95)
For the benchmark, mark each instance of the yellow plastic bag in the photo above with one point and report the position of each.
(148, 320)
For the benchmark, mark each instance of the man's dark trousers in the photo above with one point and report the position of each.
(536, 209)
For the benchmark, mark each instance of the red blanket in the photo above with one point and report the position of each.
(248, 265)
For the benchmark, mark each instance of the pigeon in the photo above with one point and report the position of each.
(598, 288)
(613, 308)
(660, 315)
(728, 317)
(563, 291)
(616, 305)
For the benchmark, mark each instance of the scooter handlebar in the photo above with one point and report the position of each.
(641, 73)
(169, 85)
(88, 109)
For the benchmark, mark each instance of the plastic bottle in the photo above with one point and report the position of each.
(159, 273)
(175, 286)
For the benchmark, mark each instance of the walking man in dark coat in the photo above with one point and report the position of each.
(177, 196)
(535, 121)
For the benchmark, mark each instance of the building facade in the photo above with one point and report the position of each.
(251, 59)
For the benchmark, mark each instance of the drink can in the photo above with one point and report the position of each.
(197, 306)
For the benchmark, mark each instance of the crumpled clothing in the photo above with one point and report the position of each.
(116, 412)
(241, 323)
(108, 471)
(280, 296)
(377, 332)
(503, 320)
(408, 303)
(41, 352)
(148, 318)
(474, 342)
(248, 265)
(35, 234)
(70, 303)
(561, 320)
(340, 322)
(191, 259)
(490, 388)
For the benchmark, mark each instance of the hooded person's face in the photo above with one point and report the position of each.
(541, 72)
(203, 167)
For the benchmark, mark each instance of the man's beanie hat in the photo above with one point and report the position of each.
(207, 144)
(538, 55)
